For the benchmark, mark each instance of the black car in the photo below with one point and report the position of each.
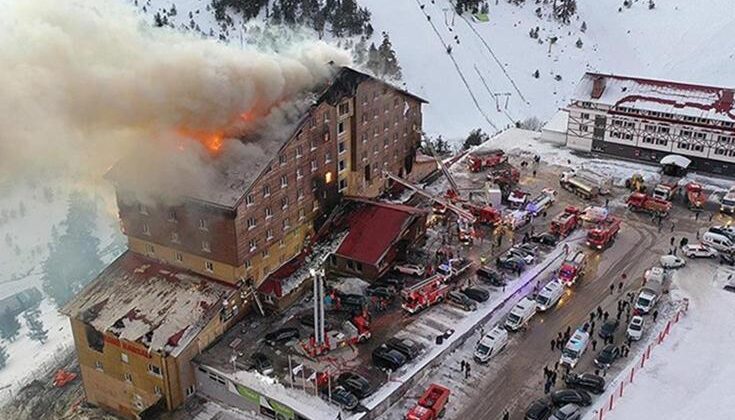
(607, 356)
(396, 284)
(405, 346)
(490, 276)
(476, 293)
(354, 383)
(461, 301)
(539, 410)
(571, 396)
(344, 398)
(352, 302)
(531, 249)
(282, 335)
(510, 262)
(608, 328)
(385, 292)
(387, 358)
(545, 238)
(586, 381)
(261, 363)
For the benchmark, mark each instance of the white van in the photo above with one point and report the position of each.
(575, 348)
(491, 344)
(549, 295)
(520, 314)
(655, 274)
(718, 241)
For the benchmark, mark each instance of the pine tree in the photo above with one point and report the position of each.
(73, 259)
(475, 138)
(390, 61)
(35, 326)
(157, 21)
(276, 16)
(374, 63)
(9, 326)
(173, 12)
(359, 52)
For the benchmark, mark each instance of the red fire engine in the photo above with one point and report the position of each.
(603, 233)
(565, 222)
(648, 204)
(424, 293)
(573, 268)
(484, 214)
(478, 161)
(695, 196)
(431, 405)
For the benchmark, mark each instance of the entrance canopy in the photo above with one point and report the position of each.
(676, 160)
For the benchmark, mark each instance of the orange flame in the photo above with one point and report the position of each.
(212, 141)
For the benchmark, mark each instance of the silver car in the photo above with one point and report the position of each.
(568, 412)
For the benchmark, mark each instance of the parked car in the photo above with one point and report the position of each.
(461, 301)
(730, 286)
(539, 409)
(568, 412)
(546, 238)
(586, 381)
(571, 396)
(476, 294)
(698, 251)
(530, 248)
(410, 269)
(607, 356)
(405, 346)
(352, 302)
(672, 261)
(510, 262)
(386, 292)
(490, 276)
(727, 259)
(354, 383)
(261, 363)
(282, 335)
(344, 398)
(635, 328)
(521, 253)
(387, 358)
(396, 284)
(608, 328)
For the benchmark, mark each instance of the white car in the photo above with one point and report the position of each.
(672, 261)
(635, 328)
(410, 269)
(698, 251)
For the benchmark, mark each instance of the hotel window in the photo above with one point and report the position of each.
(284, 181)
(285, 224)
(190, 390)
(283, 159)
(265, 253)
(128, 377)
(342, 165)
(253, 245)
(315, 205)
(341, 127)
(154, 370)
(146, 229)
(312, 144)
(179, 257)
(313, 165)
(98, 366)
(248, 264)
(124, 358)
(249, 200)
(326, 116)
(364, 118)
(327, 157)
(662, 142)
(663, 130)
(172, 216)
(685, 133)
(583, 128)
(299, 173)
(157, 390)
(206, 247)
(341, 147)
(364, 138)
(342, 184)
(252, 223)
(175, 237)
(326, 137)
(395, 137)
(385, 143)
(268, 213)
(300, 193)
(266, 190)
(584, 116)
(385, 126)
(648, 139)
(375, 149)
(299, 151)
(697, 147)
(203, 224)
(142, 209)
(683, 145)
(209, 266)
(284, 203)
(650, 127)
(302, 214)
(269, 234)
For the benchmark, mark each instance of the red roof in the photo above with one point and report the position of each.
(373, 228)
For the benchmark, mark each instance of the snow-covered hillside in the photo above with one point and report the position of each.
(678, 39)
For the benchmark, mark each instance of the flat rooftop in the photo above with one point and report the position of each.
(139, 300)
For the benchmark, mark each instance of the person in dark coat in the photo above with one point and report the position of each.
(655, 315)
(553, 345)
(594, 344)
(506, 415)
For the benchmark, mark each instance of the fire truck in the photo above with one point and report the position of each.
(565, 222)
(354, 331)
(425, 293)
(573, 268)
(695, 196)
(541, 202)
(603, 234)
(487, 215)
(648, 204)
(504, 174)
(665, 191)
(431, 405)
(578, 185)
(478, 161)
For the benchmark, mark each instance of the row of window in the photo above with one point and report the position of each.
(670, 116)
(286, 224)
(150, 250)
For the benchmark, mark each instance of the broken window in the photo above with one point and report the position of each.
(95, 339)
(344, 108)
(154, 370)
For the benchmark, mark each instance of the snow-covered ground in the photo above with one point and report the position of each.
(29, 212)
(690, 375)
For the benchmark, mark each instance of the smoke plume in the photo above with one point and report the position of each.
(84, 83)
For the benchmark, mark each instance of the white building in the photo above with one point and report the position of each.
(646, 119)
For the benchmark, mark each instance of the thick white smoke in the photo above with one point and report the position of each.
(85, 82)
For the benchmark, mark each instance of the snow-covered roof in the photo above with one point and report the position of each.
(558, 122)
(677, 160)
(698, 101)
(139, 300)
